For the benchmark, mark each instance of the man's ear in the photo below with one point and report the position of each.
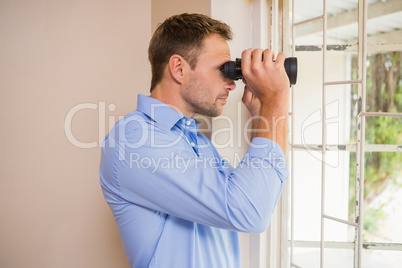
(177, 67)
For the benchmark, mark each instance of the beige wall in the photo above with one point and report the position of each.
(161, 9)
(68, 70)
(55, 55)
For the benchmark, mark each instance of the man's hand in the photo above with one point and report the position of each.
(266, 93)
(251, 101)
(265, 78)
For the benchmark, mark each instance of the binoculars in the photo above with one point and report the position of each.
(232, 69)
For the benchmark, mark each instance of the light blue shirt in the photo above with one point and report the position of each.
(176, 201)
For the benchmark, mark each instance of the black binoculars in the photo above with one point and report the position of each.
(232, 69)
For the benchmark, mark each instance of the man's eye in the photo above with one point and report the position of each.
(222, 68)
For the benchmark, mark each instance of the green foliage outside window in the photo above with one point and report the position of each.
(382, 170)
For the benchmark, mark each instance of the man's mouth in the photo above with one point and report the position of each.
(223, 99)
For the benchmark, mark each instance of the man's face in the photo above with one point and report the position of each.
(207, 89)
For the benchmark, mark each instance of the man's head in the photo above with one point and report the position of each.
(184, 35)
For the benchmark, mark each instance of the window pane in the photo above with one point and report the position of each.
(341, 116)
(308, 99)
(383, 130)
(342, 39)
(384, 82)
(381, 258)
(308, 93)
(304, 11)
(306, 257)
(382, 197)
(339, 232)
(333, 258)
(307, 196)
(338, 65)
(309, 36)
(383, 25)
(339, 191)
(342, 22)
(352, 189)
(336, 258)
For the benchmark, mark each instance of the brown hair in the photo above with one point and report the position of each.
(183, 35)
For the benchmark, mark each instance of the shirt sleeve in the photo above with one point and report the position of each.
(160, 173)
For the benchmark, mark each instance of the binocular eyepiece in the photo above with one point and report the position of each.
(232, 69)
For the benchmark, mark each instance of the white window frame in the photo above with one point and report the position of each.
(280, 11)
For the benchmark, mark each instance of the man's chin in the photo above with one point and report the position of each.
(210, 114)
(217, 112)
(213, 112)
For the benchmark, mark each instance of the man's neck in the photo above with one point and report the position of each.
(171, 97)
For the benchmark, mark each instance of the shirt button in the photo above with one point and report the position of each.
(188, 123)
(192, 144)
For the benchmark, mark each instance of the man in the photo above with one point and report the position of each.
(176, 202)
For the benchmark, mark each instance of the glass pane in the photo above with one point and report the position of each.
(304, 11)
(333, 258)
(339, 190)
(336, 258)
(308, 92)
(341, 115)
(308, 99)
(383, 25)
(306, 257)
(384, 43)
(352, 189)
(342, 39)
(384, 82)
(339, 232)
(342, 23)
(355, 108)
(383, 130)
(382, 197)
(309, 36)
(338, 65)
(307, 196)
(381, 258)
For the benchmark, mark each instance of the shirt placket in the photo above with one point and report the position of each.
(191, 134)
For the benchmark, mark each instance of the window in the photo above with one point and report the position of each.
(343, 204)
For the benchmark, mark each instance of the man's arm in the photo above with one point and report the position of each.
(266, 93)
(201, 189)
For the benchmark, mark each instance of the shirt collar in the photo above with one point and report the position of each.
(160, 112)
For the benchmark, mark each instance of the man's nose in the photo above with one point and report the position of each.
(230, 84)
